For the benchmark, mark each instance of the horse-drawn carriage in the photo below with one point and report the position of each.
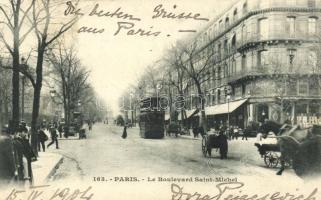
(270, 154)
(214, 141)
(299, 146)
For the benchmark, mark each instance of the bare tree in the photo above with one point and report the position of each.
(14, 14)
(47, 31)
(71, 78)
(195, 63)
(176, 77)
(151, 79)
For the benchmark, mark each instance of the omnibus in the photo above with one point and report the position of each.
(151, 119)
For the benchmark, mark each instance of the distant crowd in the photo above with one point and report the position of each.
(17, 154)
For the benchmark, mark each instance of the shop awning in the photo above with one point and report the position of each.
(189, 113)
(224, 108)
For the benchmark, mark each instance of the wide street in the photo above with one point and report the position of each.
(105, 154)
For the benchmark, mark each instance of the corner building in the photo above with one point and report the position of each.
(267, 53)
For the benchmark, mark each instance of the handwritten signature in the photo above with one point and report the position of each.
(38, 193)
(232, 191)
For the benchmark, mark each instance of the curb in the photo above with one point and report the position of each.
(188, 137)
(54, 169)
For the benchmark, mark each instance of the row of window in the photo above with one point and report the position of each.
(224, 23)
(218, 51)
(290, 26)
(267, 62)
(301, 87)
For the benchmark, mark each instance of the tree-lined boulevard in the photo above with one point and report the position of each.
(168, 157)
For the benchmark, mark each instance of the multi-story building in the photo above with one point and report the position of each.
(267, 53)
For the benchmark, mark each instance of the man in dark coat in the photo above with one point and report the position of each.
(53, 134)
(42, 138)
(222, 138)
(7, 163)
(124, 136)
(60, 130)
(30, 156)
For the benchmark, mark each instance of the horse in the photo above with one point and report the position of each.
(198, 130)
(299, 146)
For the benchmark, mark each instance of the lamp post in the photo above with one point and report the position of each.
(158, 87)
(24, 67)
(131, 108)
(53, 94)
(79, 105)
(228, 97)
(58, 105)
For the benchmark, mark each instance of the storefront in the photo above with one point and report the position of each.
(231, 113)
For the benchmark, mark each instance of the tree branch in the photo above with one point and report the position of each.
(7, 17)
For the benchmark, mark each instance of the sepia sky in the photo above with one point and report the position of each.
(117, 61)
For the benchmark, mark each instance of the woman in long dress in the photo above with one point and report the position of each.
(124, 136)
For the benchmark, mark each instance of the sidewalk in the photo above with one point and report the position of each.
(252, 140)
(45, 166)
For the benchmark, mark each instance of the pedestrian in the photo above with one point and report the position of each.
(222, 138)
(24, 157)
(230, 132)
(82, 131)
(60, 130)
(29, 156)
(42, 138)
(245, 134)
(7, 164)
(54, 139)
(90, 125)
(236, 132)
(23, 127)
(259, 137)
(124, 136)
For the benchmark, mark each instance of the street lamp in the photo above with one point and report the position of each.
(131, 107)
(24, 68)
(228, 97)
(53, 95)
(158, 87)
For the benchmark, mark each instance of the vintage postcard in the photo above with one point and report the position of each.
(160, 99)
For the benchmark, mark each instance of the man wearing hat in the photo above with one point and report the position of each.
(54, 137)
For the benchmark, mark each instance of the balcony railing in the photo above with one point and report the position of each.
(268, 71)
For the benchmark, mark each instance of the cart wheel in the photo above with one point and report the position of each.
(271, 159)
(204, 146)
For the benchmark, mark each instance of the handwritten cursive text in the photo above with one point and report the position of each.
(160, 12)
(232, 191)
